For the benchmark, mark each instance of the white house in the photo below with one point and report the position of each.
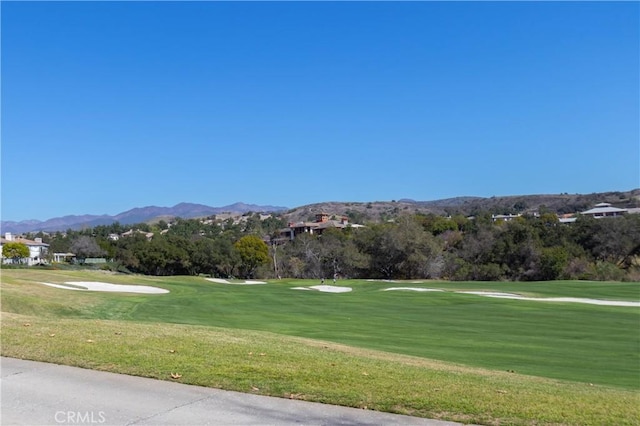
(63, 257)
(604, 210)
(37, 249)
(505, 217)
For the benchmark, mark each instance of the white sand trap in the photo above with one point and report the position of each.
(411, 289)
(555, 299)
(492, 294)
(112, 288)
(326, 288)
(223, 281)
(218, 280)
(331, 288)
(588, 301)
(382, 281)
(535, 299)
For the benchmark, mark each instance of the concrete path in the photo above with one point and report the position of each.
(36, 393)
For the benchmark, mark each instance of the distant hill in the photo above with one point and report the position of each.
(466, 206)
(136, 215)
(358, 212)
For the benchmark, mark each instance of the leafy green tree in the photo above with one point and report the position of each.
(380, 243)
(226, 257)
(330, 251)
(15, 251)
(180, 249)
(186, 228)
(442, 224)
(478, 244)
(517, 249)
(436, 224)
(272, 225)
(59, 243)
(614, 240)
(617, 239)
(153, 259)
(339, 254)
(461, 221)
(216, 257)
(553, 261)
(105, 230)
(161, 256)
(253, 252)
(203, 256)
(252, 224)
(398, 250)
(107, 247)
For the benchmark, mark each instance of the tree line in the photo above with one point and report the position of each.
(412, 246)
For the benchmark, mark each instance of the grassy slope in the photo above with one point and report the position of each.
(586, 343)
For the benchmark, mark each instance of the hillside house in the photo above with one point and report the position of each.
(316, 227)
(505, 217)
(604, 210)
(567, 218)
(132, 232)
(37, 249)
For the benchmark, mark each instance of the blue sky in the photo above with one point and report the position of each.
(108, 106)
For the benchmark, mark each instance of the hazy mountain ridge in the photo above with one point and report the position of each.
(132, 216)
(358, 211)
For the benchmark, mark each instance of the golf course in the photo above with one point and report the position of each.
(491, 353)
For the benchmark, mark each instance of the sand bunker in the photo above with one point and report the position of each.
(535, 299)
(491, 294)
(325, 288)
(555, 299)
(412, 289)
(223, 281)
(113, 288)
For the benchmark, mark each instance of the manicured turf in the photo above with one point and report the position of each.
(569, 341)
(273, 340)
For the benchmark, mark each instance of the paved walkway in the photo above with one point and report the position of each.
(36, 393)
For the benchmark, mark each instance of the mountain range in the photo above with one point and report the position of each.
(135, 215)
(367, 211)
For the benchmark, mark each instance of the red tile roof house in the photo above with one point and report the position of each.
(37, 249)
(321, 223)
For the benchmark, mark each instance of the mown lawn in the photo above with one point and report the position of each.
(593, 350)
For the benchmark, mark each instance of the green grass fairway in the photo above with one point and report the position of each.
(590, 348)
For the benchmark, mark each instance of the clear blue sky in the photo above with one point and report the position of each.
(108, 106)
